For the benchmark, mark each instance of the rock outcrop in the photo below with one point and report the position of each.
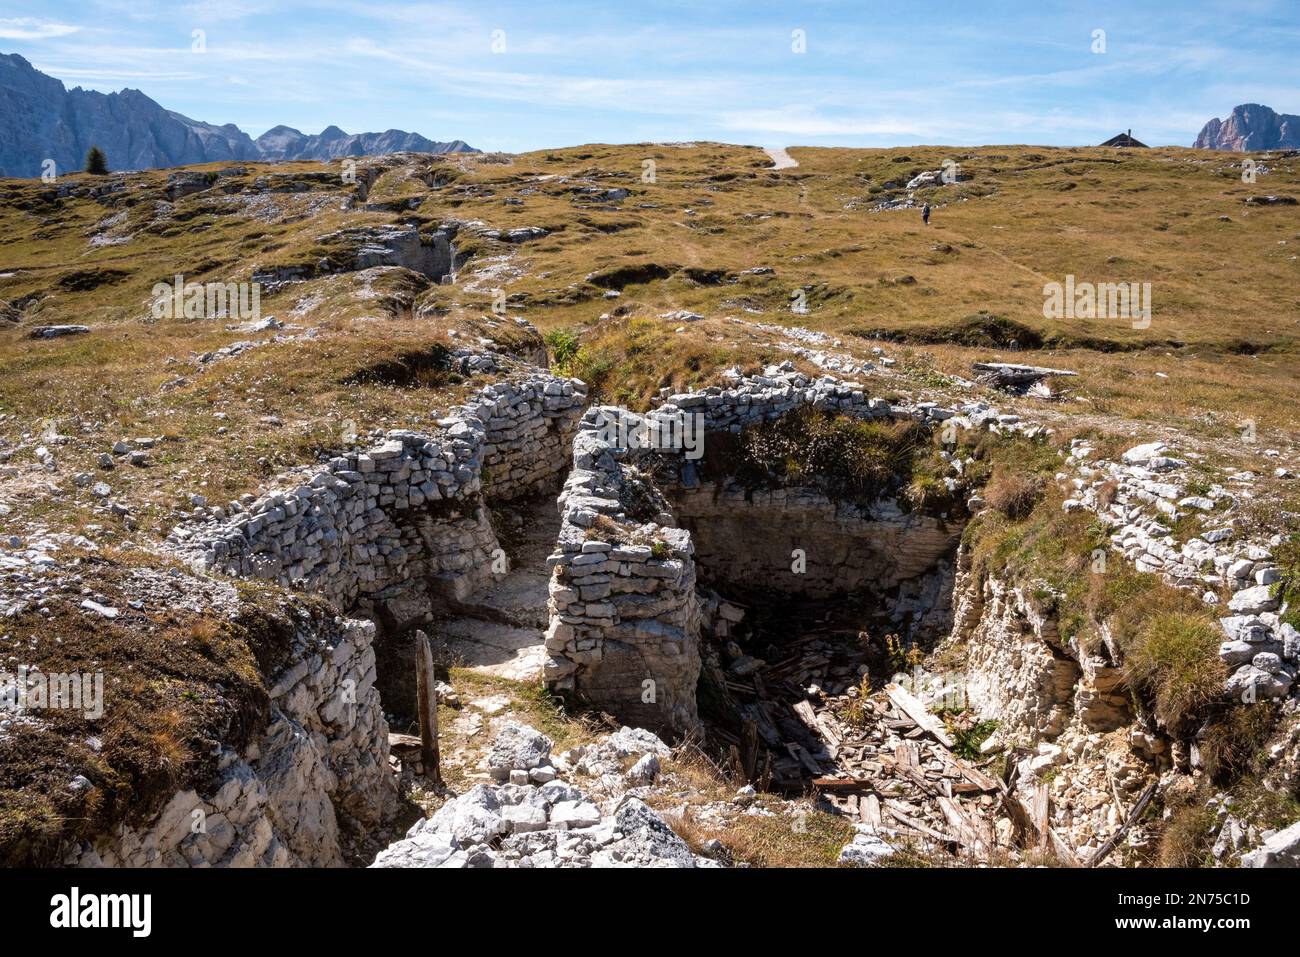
(321, 761)
(1248, 128)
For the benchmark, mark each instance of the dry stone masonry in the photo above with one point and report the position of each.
(625, 616)
(1141, 497)
(409, 509)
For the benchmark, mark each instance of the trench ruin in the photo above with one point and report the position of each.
(766, 620)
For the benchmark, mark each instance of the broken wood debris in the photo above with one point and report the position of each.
(883, 759)
(1021, 379)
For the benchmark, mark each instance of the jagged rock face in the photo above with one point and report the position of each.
(1251, 127)
(40, 119)
(322, 759)
(286, 143)
(1014, 669)
(1019, 670)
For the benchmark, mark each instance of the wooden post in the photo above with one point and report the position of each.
(427, 705)
(749, 749)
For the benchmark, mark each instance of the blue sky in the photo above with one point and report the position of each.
(872, 74)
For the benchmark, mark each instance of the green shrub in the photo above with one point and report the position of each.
(592, 367)
(966, 744)
(1287, 589)
(564, 345)
(845, 457)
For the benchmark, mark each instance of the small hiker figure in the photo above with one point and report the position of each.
(925, 214)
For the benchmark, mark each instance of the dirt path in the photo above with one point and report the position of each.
(503, 630)
(780, 158)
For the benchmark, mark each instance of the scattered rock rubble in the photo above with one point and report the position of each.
(535, 819)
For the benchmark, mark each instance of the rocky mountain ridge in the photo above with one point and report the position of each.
(41, 120)
(1250, 127)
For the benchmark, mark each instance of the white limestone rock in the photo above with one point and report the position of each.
(518, 748)
(1280, 850)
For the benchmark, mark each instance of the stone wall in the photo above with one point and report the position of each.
(409, 509)
(379, 531)
(529, 429)
(321, 765)
(625, 618)
(1141, 496)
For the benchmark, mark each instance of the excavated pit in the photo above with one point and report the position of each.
(835, 595)
(667, 565)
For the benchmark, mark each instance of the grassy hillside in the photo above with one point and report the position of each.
(1220, 350)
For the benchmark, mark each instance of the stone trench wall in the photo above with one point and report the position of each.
(320, 765)
(1068, 710)
(403, 514)
(1044, 684)
(625, 619)
(370, 530)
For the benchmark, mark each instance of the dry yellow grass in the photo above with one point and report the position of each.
(1219, 354)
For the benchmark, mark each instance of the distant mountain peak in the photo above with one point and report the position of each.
(1250, 127)
(41, 119)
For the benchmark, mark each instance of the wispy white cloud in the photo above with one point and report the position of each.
(30, 28)
(216, 11)
(129, 76)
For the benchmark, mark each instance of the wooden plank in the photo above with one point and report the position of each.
(1041, 813)
(841, 784)
(966, 830)
(916, 825)
(806, 714)
(870, 810)
(803, 757)
(1136, 813)
(914, 709)
(975, 776)
(749, 749)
